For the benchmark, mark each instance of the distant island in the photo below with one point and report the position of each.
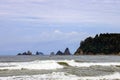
(66, 52)
(30, 53)
(102, 44)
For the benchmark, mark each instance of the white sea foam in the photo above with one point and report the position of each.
(62, 76)
(51, 64)
(114, 76)
(88, 64)
(52, 76)
(47, 64)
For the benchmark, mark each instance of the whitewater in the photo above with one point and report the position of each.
(60, 68)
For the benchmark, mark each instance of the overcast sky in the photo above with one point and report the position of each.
(52, 25)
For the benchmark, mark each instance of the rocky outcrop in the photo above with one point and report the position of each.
(25, 53)
(79, 52)
(59, 53)
(67, 51)
(102, 44)
(39, 53)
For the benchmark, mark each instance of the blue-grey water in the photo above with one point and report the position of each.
(91, 58)
(84, 67)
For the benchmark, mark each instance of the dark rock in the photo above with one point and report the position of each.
(79, 52)
(67, 51)
(25, 53)
(29, 53)
(102, 44)
(19, 54)
(59, 53)
(39, 53)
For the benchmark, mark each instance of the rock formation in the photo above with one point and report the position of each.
(102, 44)
(59, 53)
(67, 52)
(25, 53)
(39, 53)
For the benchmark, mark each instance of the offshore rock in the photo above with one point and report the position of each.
(67, 51)
(59, 53)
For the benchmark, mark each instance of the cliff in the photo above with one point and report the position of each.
(108, 44)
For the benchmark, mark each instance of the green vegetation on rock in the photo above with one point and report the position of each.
(108, 43)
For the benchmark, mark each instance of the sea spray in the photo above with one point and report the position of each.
(51, 64)
(62, 76)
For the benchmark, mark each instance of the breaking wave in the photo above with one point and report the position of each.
(62, 76)
(51, 64)
(48, 64)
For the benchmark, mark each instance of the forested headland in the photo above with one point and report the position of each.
(107, 43)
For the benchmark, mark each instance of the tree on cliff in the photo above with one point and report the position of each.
(100, 44)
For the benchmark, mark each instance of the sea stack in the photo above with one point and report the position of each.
(67, 51)
(59, 53)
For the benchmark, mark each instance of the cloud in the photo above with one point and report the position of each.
(45, 36)
(20, 1)
(25, 22)
(41, 40)
(60, 36)
(63, 11)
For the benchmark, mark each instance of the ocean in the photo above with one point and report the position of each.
(84, 67)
